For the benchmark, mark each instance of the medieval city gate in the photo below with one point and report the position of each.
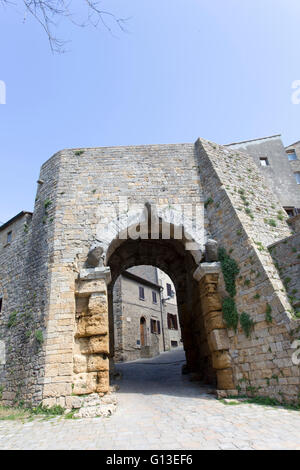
(57, 276)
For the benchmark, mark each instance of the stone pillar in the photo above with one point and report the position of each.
(91, 349)
(207, 274)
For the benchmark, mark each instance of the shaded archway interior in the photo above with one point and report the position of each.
(171, 257)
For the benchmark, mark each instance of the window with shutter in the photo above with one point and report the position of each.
(141, 293)
(169, 290)
(172, 322)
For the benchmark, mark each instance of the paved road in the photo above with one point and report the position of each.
(161, 409)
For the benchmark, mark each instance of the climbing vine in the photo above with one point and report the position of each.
(230, 313)
(230, 270)
(247, 323)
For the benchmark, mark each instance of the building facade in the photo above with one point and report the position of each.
(144, 325)
(233, 259)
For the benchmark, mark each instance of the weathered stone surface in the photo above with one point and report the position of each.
(221, 360)
(218, 340)
(225, 379)
(95, 405)
(102, 382)
(88, 287)
(57, 389)
(211, 251)
(85, 383)
(2, 353)
(94, 256)
(210, 269)
(97, 363)
(92, 324)
(211, 303)
(214, 321)
(98, 345)
(80, 363)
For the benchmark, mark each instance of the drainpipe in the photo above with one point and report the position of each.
(162, 318)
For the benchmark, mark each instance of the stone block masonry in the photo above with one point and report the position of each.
(55, 319)
(240, 208)
(286, 256)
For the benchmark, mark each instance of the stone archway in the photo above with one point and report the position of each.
(178, 263)
(204, 335)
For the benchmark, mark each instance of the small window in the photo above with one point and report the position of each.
(291, 211)
(141, 293)
(1, 301)
(172, 322)
(174, 344)
(297, 175)
(9, 237)
(169, 290)
(291, 155)
(154, 297)
(264, 162)
(155, 326)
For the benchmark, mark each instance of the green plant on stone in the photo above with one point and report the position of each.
(39, 336)
(230, 271)
(208, 201)
(12, 319)
(247, 323)
(55, 410)
(249, 212)
(47, 203)
(269, 318)
(79, 152)
(230, 313)
(272, 222)
(280, 215)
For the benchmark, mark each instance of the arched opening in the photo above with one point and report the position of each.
(179, 264)
(195, 279)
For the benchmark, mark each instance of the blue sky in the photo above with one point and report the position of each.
(222, 70)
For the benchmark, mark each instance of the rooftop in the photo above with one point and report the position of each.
(16, 217)
(254, 140)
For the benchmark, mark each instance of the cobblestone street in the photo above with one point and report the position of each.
(161, 409)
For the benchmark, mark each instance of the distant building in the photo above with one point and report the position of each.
(279, 165)
(145, 314)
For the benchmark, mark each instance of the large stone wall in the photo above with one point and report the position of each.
(241, 210)
(87, 190)
(51, 346)
(25, 280)
(286, 256)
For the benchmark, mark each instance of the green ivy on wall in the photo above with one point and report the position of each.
(230, 270)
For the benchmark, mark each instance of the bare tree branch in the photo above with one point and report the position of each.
(48, 12)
